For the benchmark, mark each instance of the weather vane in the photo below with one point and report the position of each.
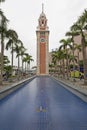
(42, 7)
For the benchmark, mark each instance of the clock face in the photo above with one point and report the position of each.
(42, 40)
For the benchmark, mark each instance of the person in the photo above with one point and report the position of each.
(81, 75)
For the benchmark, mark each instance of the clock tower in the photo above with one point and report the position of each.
(42, 34)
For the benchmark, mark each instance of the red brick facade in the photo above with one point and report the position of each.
(42, 58)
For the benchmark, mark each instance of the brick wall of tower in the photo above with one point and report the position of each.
(42, 58)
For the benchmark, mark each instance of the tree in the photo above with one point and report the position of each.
(72, 35)
(6, 60)
(3, 30)
(55, 57)
(79, 49)
(64, 46)
(13, 37)
(7, 67)
(81, 26)
(17, 49)
(27, 59)
(22, 54)
(71, 58)
(58, 61)
(62, 57)
(2, 1)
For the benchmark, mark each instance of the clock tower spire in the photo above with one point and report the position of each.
(42, 7)
(42, 34)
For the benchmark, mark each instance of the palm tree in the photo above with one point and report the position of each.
(55, 58)
(71, 58)
(27, 59)
(51, 66)
(72, 34)
(2, 1)
(3, 29)
(17, 49)
(81, 26)
(22, 54)
(64, 46)
(6, 60)
(79, 49)
(62, 57)
(13, 38)
(58, 61)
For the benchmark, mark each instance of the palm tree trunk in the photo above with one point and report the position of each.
(73, 62)
(2, 59)
(78, 62)
(18, 68)
(63, 69)
(25, 67)
(84, 60)
(12, 60)
(22, 64)
(67, 64)
(60, 69)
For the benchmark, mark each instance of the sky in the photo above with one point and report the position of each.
(23, 18)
